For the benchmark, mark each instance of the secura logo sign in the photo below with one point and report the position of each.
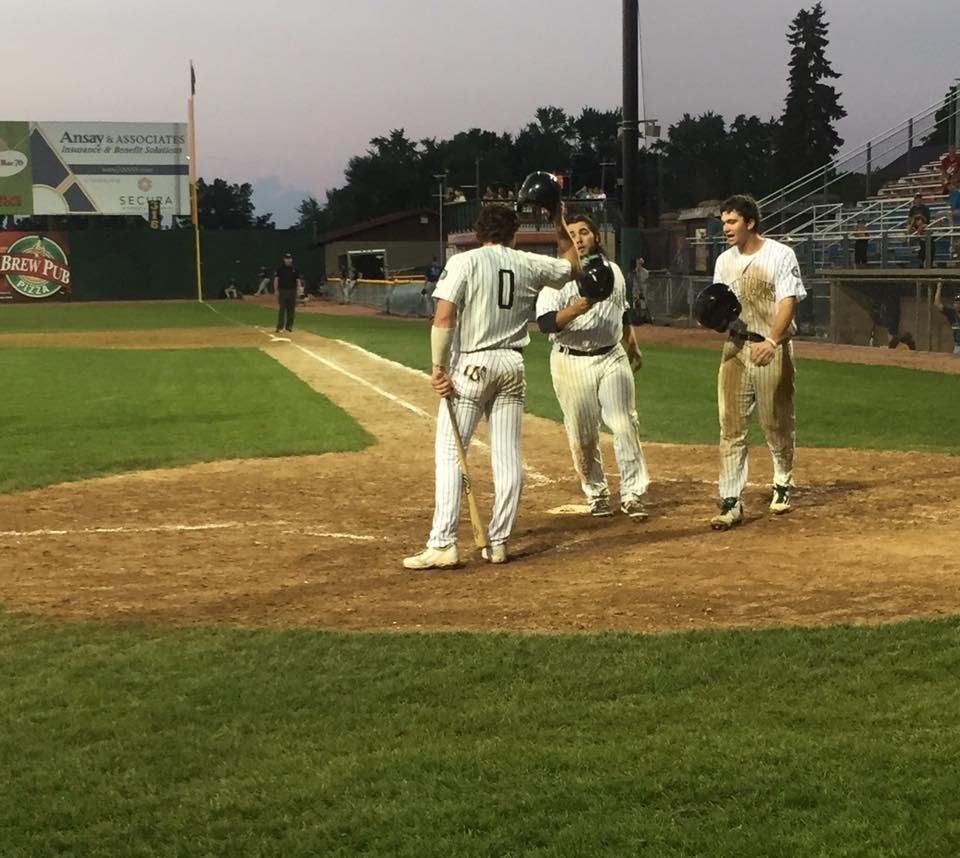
(36, 266)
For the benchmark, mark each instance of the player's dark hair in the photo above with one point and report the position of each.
(745, 206)
(497, 224)
(582, 218)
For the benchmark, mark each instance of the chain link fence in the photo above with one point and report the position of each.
(670, 299)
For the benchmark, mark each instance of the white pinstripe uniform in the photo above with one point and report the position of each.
(494, 288)
(595, 387)
(760, 280)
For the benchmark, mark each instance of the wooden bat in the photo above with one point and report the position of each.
(479, 532)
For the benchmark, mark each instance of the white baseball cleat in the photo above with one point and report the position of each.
(495, 553)
(780, 502)
(731, 514)
(434, 558)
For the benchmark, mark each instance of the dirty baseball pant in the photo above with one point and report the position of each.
(287, 299)
(591, 389)
(743, 387)
(489, 384)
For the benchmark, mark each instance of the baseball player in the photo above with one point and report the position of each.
(592, 378)
(765, 277)
(484, 298)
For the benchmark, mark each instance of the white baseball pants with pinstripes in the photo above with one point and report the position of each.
(491, 384)
(591, 390)
(741, 387)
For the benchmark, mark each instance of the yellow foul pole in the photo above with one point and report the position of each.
(194, 211)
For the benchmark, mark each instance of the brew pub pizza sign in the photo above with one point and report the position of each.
(35, 266)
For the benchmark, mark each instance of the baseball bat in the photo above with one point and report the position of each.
(479, 533)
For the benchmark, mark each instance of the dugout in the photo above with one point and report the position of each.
(398, 243)
(867, 307)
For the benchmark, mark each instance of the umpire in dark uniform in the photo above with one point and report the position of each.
(286, 283)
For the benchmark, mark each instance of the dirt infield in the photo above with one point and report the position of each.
(318, 540)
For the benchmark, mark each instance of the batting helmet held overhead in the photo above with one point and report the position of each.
(595, 281)
(716, 307)
(541, 189)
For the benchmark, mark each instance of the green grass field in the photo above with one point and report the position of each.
(120, 740)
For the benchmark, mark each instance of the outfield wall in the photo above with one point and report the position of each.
(131, 264)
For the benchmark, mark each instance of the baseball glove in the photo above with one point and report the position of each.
(595, 281)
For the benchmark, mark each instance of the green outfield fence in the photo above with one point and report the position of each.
(128, 265)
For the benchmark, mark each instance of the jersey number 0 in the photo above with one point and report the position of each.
(505, 289)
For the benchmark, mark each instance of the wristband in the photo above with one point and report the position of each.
(441, 345)
(773, 343)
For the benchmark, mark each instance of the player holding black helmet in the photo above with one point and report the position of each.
(764, 276)
(591, 372)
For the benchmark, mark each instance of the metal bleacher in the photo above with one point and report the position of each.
(808, 214)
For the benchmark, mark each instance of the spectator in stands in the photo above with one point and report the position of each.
(954, 202)
(950, 169)
(918, 219)
(459, 196)
(489, 195)
(861, 237)
(952, 314)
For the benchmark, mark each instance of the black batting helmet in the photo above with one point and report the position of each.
(595, 280)
(541, 189)
(716, 307)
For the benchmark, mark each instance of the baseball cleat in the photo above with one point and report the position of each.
(635, 508)
(600, 508)
(434, 558)
(781, 500)
(731, 514)
(495, 553)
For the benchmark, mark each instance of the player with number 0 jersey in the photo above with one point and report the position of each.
(484, 298)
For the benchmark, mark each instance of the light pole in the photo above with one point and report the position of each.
(441, 178)
(630, 228)
(603, 174)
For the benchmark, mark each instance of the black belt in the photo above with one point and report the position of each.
(566, 350)
(516, 349)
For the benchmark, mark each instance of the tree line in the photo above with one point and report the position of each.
(700, 157)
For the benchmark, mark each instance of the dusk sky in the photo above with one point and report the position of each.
(288, 91)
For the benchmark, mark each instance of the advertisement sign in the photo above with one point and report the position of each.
(16, 179)
(34, 266)
(109, 168)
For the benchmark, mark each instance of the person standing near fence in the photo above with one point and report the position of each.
(952, 315)
(765, 276)
(286, 283)
(263, 282)
(431, 277)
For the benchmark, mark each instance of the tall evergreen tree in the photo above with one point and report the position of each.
(807, 138)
